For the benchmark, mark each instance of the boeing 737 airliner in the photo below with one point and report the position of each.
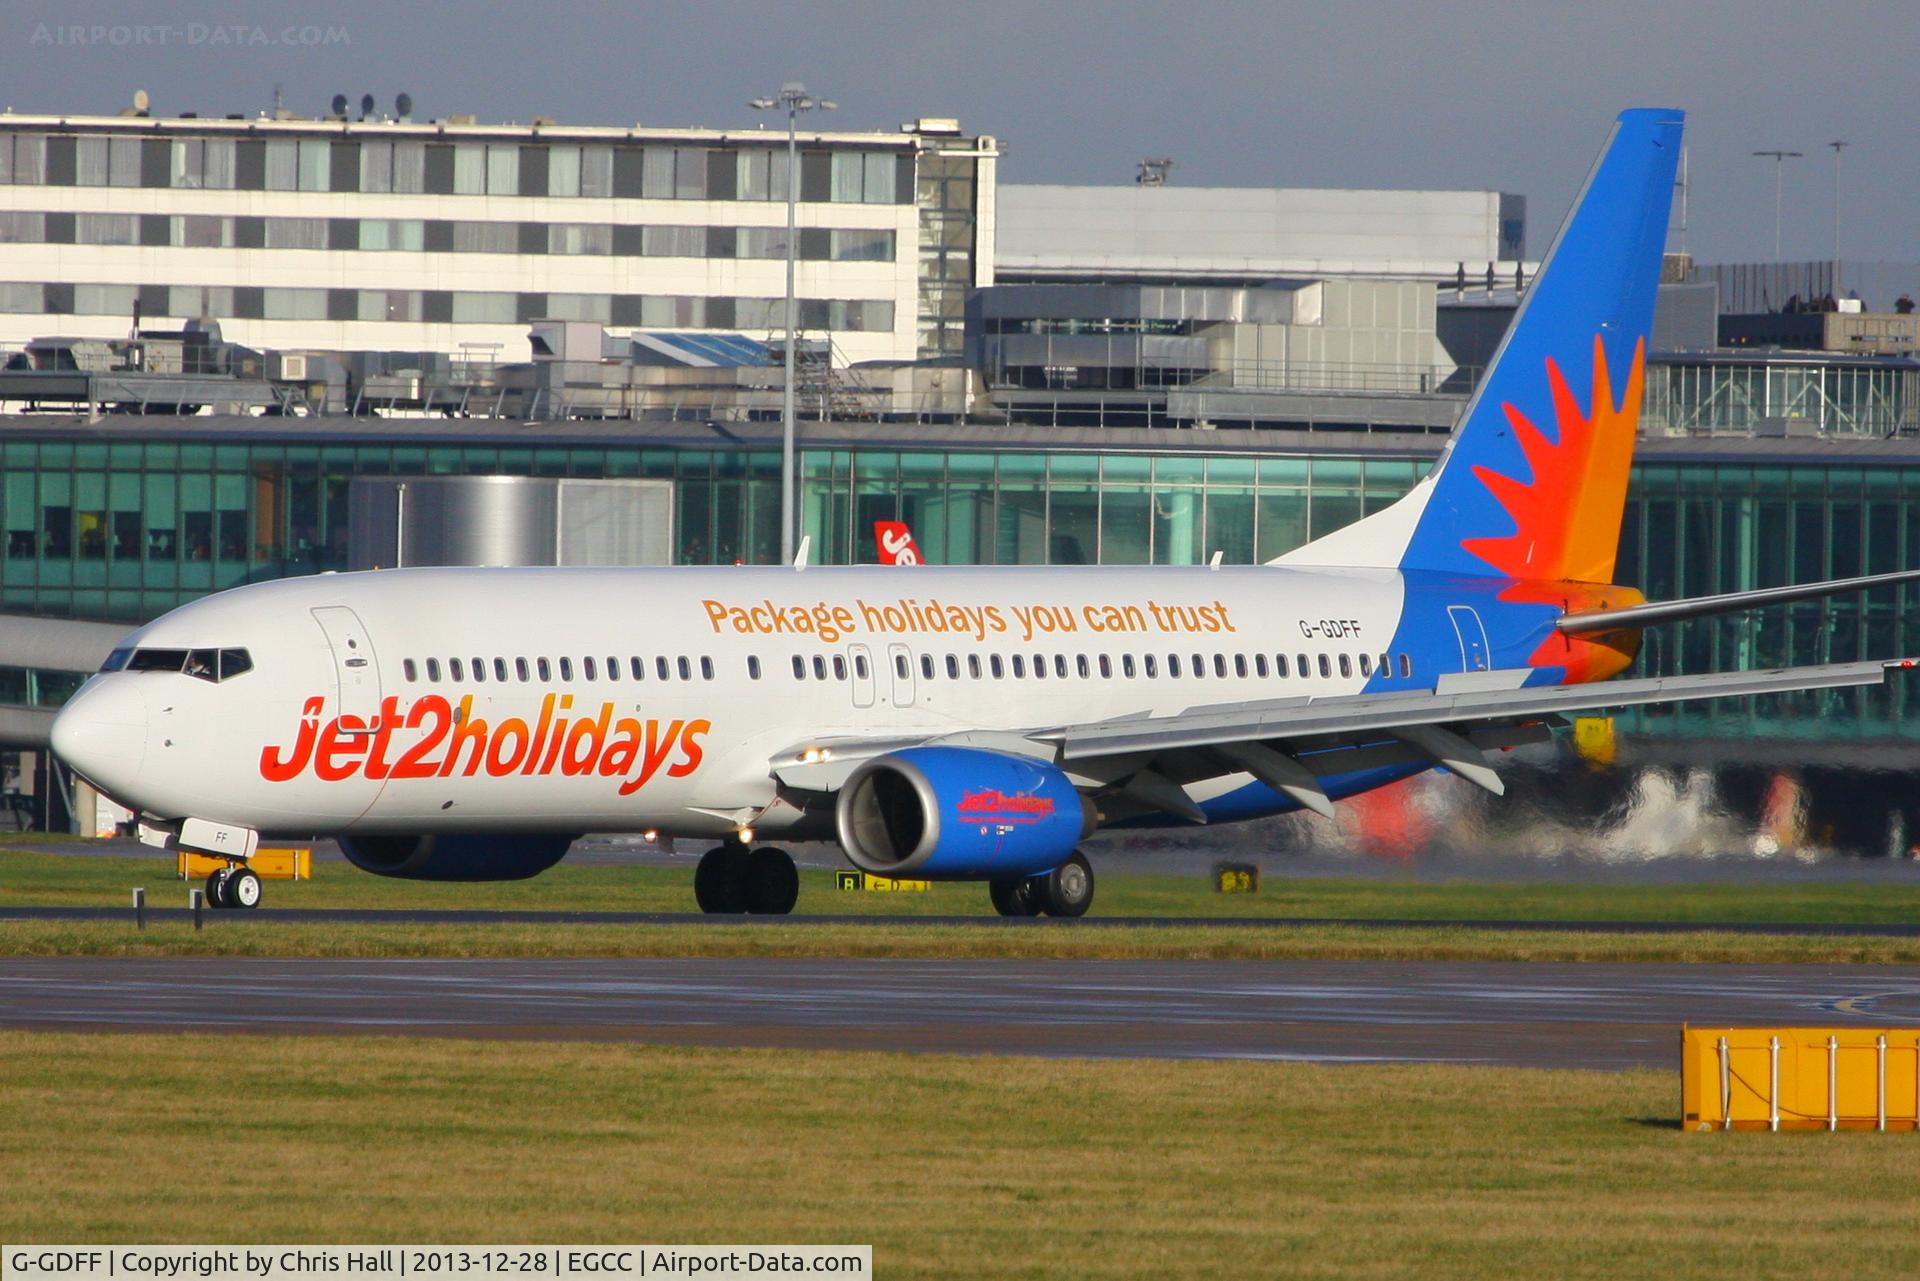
(960, 723)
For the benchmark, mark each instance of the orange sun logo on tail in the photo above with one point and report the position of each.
(1567, 516)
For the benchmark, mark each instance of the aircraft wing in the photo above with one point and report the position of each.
(1144, 762)
(1477, 697)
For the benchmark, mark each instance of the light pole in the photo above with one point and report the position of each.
(794, 98)
(1778, 158)
(1838, 146)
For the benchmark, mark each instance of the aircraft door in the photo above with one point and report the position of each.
(900, 665)
(862, 660)
(355, 670)
(1473, 638)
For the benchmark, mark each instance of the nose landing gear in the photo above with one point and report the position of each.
(733, 879)
(234, 886)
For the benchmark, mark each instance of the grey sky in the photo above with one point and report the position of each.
(1385, 93)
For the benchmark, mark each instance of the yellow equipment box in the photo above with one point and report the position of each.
(1800, 1078)
(268, 864)
(878, 884)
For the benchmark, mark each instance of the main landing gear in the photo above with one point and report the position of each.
(235, 885)
(1065, 891)
(732, 879)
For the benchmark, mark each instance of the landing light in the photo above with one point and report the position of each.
(650, 836)
(814, 755)
(746, 835)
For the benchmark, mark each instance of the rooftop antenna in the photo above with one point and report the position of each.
(366, 105)
(279, 102)
(1154, 171)
(340, 105)
(403, 107)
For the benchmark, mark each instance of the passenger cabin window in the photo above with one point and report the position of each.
(926, 666)
(480, 670)
(1173, 664)
(1106, 668)
(1326, 668)
(661, 669)
(408, 670)
(753, 667)
(799, 668)
(1126, 666)
(1019, 667)
(1260, 665)
(1240, 665)
(545, 669)
(1060, 666)
(973, 666)
(1280, 665)
(520, 668)
(458, 668)
(1039, 667)
(637, 668)
(588, 665)
(1406, 668)
(686, 668)
(994, 664)
(953, 667)
(1305, 668)
(1366, 664)
(500, 670)
(1346, 665)
(839, 667)
(433, 669)
(900, 666)
(1148, 660)
(860, 666)
(819, 668)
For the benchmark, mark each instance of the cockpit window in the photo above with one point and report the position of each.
(203, 664)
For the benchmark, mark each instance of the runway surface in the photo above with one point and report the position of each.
(1597, 1016)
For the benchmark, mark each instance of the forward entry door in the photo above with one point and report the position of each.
(356, 673)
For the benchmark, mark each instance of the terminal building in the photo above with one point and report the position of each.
(1158, 409)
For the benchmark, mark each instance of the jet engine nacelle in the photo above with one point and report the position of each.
(959, 813)
(476, 856)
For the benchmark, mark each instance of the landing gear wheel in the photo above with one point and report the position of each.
(217, 887)
(1068, 889)
(720, 882)
(1015, 897)
(773, 883)
(243, 888)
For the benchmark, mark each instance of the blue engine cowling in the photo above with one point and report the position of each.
(959, 813)
(456, 856)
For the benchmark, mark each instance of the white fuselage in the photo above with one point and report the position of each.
(638, 699)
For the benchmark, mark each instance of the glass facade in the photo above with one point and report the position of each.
(127, 528)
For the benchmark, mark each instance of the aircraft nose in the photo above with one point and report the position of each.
(101, 733)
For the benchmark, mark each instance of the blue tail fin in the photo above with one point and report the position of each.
(1533, 482)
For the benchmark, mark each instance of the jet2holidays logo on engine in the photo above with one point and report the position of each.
(440, 740)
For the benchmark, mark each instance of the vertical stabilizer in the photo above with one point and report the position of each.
(1534, 479)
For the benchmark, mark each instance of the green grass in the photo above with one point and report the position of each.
(1440, 942)
(948, 1166)
(31, 877)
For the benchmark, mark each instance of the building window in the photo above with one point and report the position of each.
(579, 238)
(503, 170)
(563, 171)
(106, 229)
(283, 164)
(315, 158)
(596, 171)
(296, 233)
(486, 237)
(469, 169)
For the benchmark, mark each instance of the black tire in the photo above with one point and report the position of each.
(773, 882)
(1067, 890)
(720, 882)
(243, 888)
(217, 887)
(1014, 897)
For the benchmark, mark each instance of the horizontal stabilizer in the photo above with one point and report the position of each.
(1670, 611)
